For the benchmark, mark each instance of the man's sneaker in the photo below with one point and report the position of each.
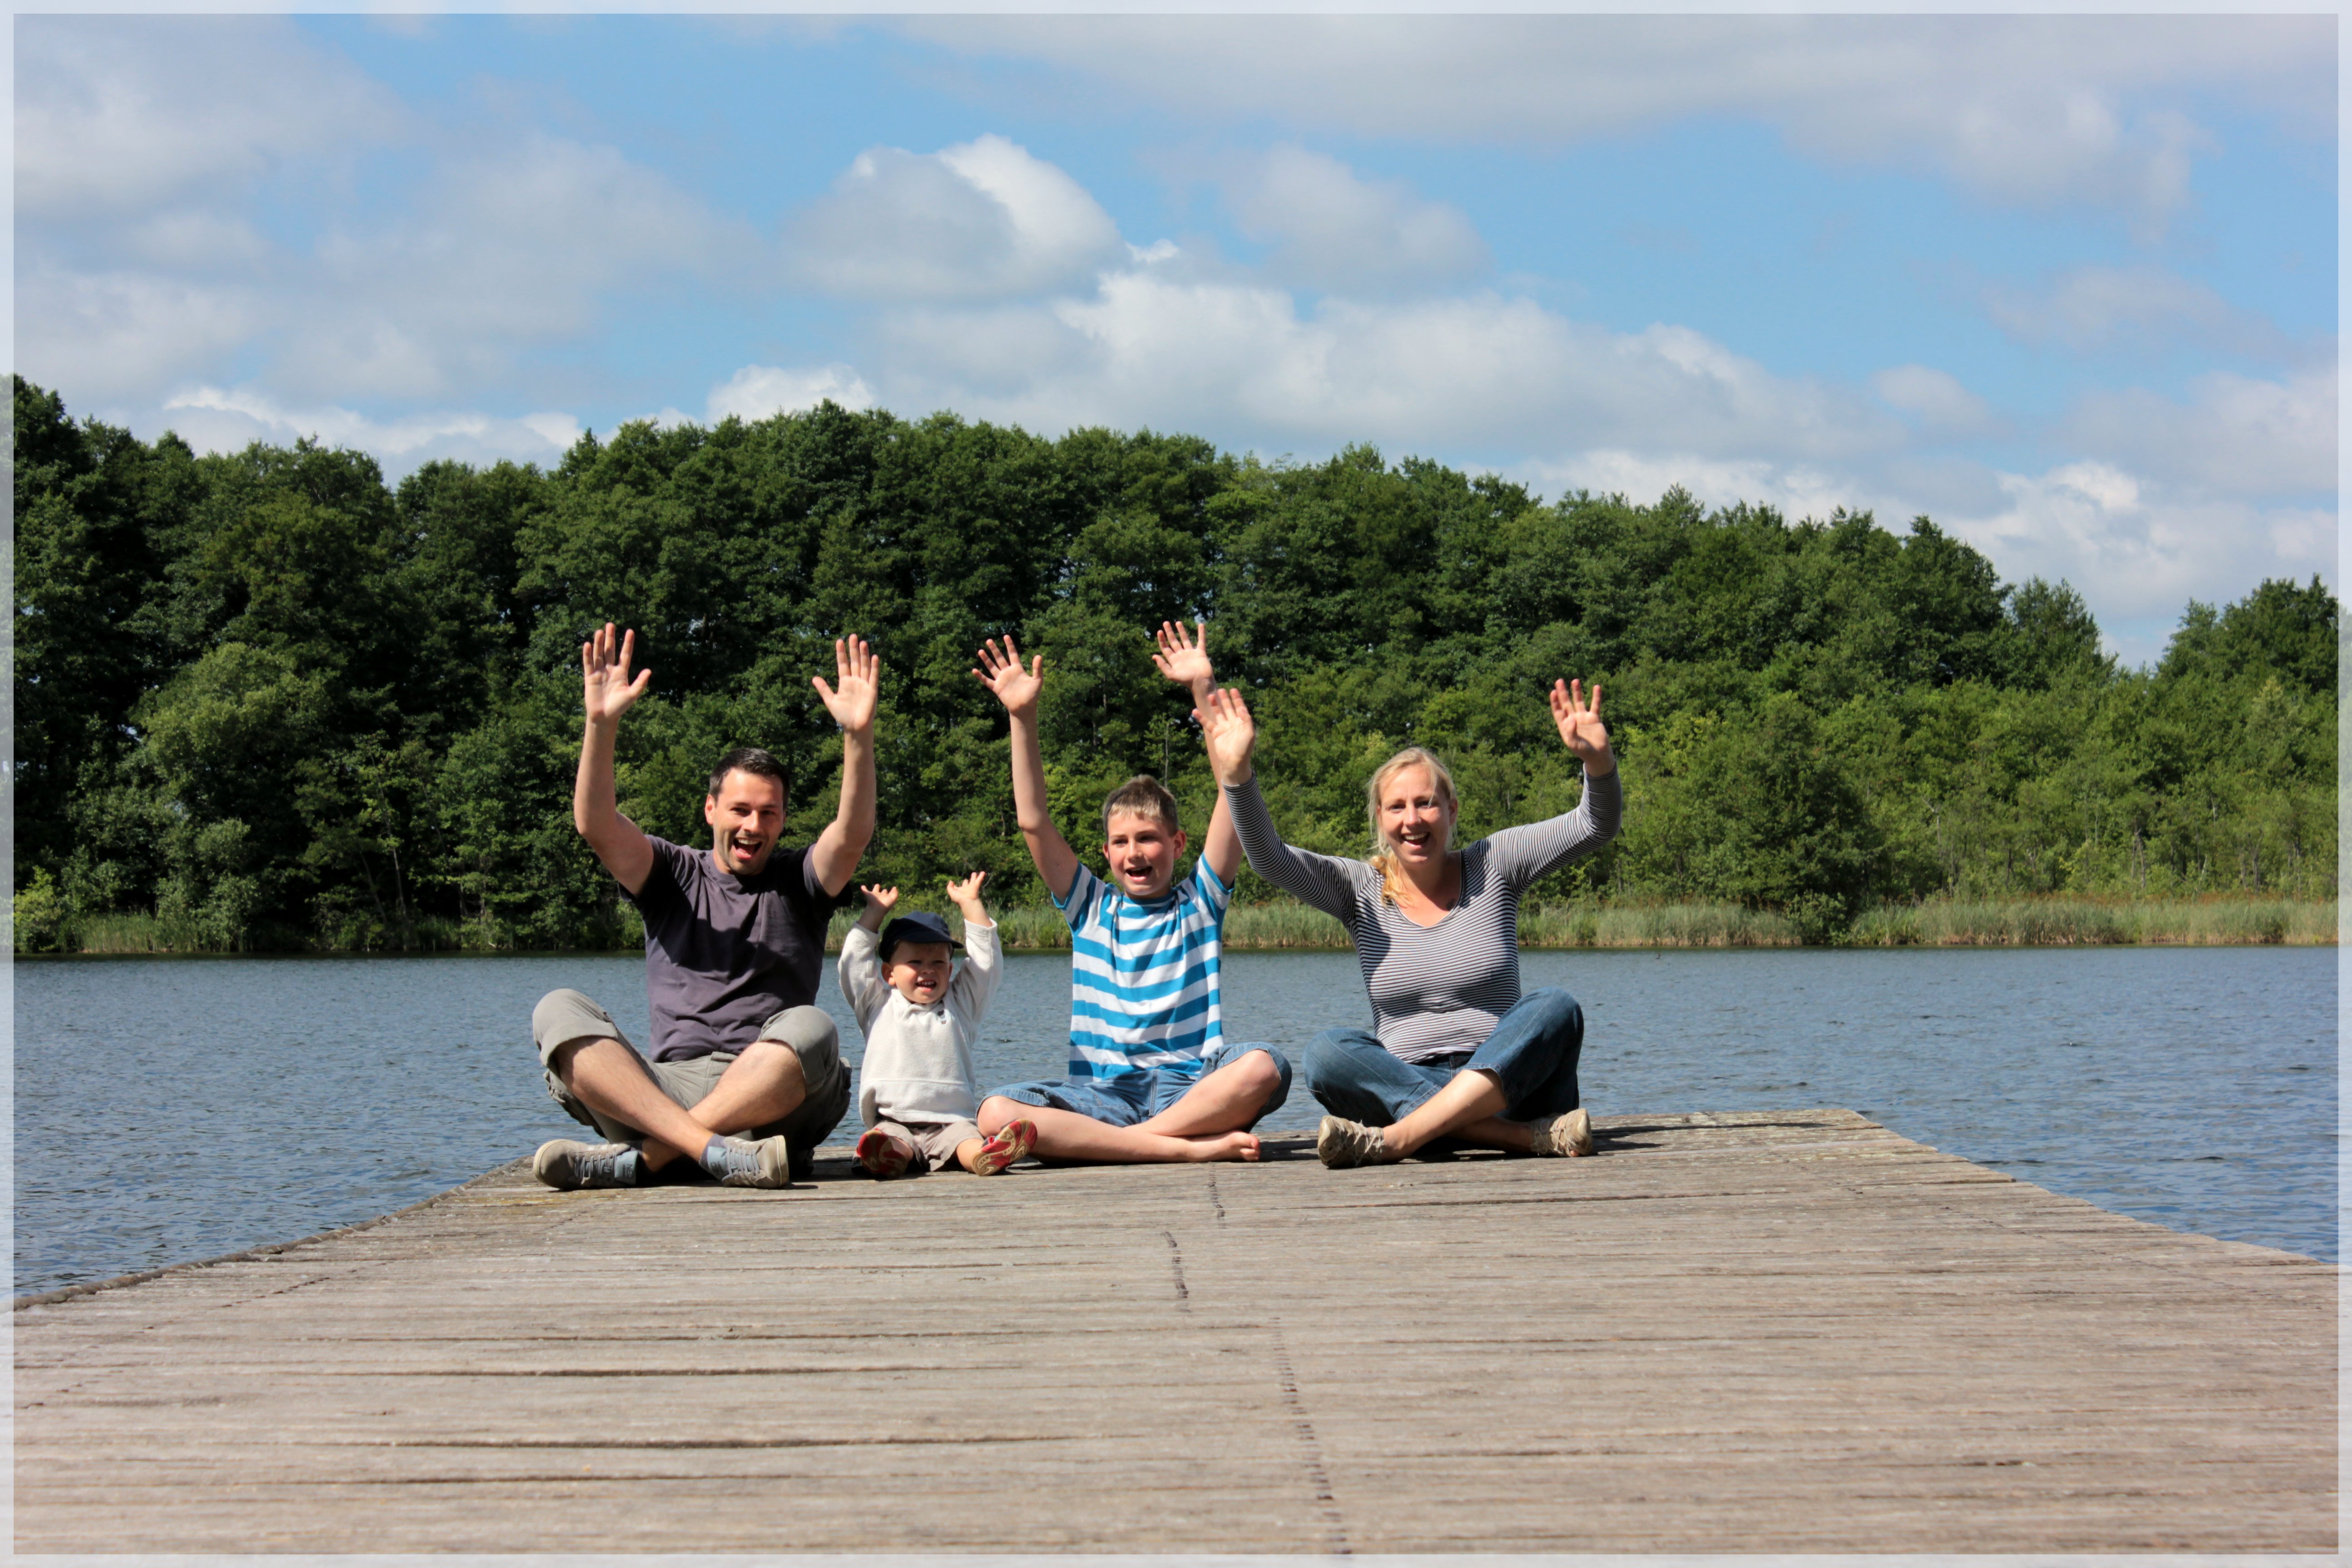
(742, 1163)
(1340, 1143)
(1571, 1134)
(569, 1166)
(883, 1155)
(1011, 1144)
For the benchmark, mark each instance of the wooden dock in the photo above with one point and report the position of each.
(1785, 1331)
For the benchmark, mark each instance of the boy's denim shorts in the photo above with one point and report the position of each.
(1140, 1095)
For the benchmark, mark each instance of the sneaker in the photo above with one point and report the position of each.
(766, 1164)
(1340, 1143)
(1567, 1135)
(1011, 1146)
(569, 1166)
(883, 1155)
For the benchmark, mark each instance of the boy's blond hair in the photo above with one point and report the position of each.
(1143, 796)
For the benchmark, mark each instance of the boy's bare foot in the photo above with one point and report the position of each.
(1226, 1146)
(883, 1155)
(1008, 1145)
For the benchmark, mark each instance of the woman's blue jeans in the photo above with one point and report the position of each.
(1532, 1054)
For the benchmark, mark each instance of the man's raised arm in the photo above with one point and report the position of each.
(850, 700)
(1017, 689)
(619, 843)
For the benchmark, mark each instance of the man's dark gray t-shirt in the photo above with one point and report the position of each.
(724, 953)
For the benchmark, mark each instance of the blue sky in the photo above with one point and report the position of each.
(2066, 285)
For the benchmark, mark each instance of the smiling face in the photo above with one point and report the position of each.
(919, 971)
(746, 817)
(1142, 852)
(1416, 821)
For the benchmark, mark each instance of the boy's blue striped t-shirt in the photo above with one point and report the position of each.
(1143, 977)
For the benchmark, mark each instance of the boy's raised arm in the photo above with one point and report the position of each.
(1184, 657)
(1000, 671)
(609, 692)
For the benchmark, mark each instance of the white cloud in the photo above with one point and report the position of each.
(2136, 549)
(1332, 230)
(2032, 109)
(100, 335)
(980, 220)
(117, 114)
(758, 391)
(1151, 345)
(1937, 401)
(520, 245)
(2097, 309)
(217, 419)
(2236, 434)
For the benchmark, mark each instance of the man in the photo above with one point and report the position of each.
(734, 945)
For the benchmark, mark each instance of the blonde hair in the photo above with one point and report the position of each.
(1441, 782)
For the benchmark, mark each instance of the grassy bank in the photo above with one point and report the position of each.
(1286, 927)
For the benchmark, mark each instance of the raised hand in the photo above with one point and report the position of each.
(878, 899)
(1579, 724)
(1184, 657)
(1228, 732)
(1000, 670)
(605, 673)
(965, 896)
(857, 683)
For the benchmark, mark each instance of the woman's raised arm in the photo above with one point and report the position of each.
(1520, 855)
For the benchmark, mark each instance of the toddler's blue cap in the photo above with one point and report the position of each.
(915, 928)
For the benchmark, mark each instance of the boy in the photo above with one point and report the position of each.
(916, 1090)
(1151, 1076)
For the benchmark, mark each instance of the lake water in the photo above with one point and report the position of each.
(175, 1108)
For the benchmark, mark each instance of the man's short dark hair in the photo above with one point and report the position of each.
(750, 759)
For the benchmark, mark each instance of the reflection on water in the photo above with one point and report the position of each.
(169, 1110)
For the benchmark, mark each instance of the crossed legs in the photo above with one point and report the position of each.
(762, 1085)
(1525, 1071)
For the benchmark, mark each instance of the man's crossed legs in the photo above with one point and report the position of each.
(1167, 1117)
(784, 1093)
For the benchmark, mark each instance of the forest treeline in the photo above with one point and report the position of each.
(267, 699)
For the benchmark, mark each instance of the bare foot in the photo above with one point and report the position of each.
(1225, 1146)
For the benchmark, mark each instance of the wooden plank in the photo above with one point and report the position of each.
(1787, 1330)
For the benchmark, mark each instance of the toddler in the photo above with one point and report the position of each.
(916, 1088)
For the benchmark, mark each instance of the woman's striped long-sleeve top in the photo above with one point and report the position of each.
(1438, 991)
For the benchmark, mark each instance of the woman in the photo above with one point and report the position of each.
(1456, 1051)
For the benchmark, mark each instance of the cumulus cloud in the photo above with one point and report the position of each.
(2141, 549)
(2095, 309)
(108, 335)
(115, 115)
(2136, 548)
(1150, 344)
(759, 391)
(1330, 228)
(2031, 110)
(217, 419)
(2235, 432)
(983, 219)
(1933, 397)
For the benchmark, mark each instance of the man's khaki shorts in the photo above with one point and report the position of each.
(563, 1016)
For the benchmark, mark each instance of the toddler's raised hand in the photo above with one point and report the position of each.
(965, 895)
